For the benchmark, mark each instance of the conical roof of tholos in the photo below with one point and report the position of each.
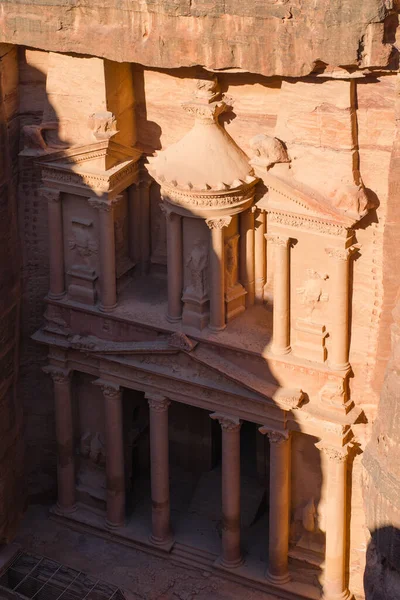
(206, 158)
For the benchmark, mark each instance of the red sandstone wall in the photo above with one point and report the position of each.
(11, 447)
(272, 37)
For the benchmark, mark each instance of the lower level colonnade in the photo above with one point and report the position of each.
(161, 535)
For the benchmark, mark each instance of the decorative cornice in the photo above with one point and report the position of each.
(218, 223)
(50, 194)
(188, 196)
(307, 222)
(334, 453)
(110, 390)
(289, 400)
(57, 374)
(99, 182)
(157, 402)
(227, 422)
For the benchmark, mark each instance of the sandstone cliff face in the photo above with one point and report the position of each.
(271, 37)
(11, 455)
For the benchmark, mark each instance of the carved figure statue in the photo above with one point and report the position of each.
(268, 151)
(231, 262)
(92, 447)
(82, 242)
(103, 124)
(312, 292)
(197, 265)
(34, 137)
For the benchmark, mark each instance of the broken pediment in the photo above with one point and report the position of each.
(101, 167)
(345, 207)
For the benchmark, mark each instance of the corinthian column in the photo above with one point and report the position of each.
(115, 470)
(340, 289)
(246, 254)
(217, 272)
(336, 475)
(259, 255)
(108, 279)
(65, 438)
(174, 263)
(56, 242)
(231, 551)
(279, 505)
(159, 456)
(281, 307)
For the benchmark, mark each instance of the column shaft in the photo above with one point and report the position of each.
(281, 307)
(174, 266)
(159, 455)
(339, 352)
(259, 256)
(217, 272)
(56, 243)
(231, 551)
(134, 224)
(279, 506)
(246, 254)
(115, 469)
(65, 439)
(108, 282)
(144, 189)
(335, 581)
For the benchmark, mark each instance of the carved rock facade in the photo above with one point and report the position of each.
(226, 261)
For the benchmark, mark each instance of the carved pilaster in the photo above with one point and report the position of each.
(219, 223)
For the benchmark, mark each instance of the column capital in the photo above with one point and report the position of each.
(219, 223)
(334, 453)
(103, 204)
(50, 194)
(166, 210)
(109, 389)
(277, 239)
(275, 437)
(342, 254)
(157, 402)
(58, 374)
(227, 422)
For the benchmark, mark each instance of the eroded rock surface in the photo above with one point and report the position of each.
(275, 37)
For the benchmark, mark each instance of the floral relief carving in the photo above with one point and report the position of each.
(218, 223)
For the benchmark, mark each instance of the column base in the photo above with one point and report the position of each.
(173, 319)
(62, 510)
(346, 595)
(107, 309)
(231, 564)
(277, 579)
(280, 351)
(340, 367)
(113, 526)
(60, 296)
(165, 543)
(213, 328)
